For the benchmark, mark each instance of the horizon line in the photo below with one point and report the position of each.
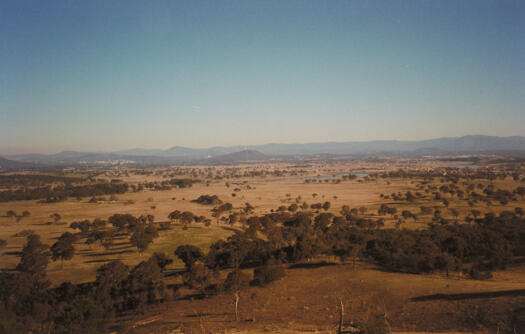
(267, 143)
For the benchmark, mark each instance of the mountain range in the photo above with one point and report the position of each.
(473, 144)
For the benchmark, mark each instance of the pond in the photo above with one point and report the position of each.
(468, 166)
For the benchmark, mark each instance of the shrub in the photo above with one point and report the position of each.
(236, 280)
(267, 274)
(374, 326)
(197, 277)
(480, 275)
(208, 200)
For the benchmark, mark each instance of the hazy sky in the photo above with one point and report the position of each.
(107, 75)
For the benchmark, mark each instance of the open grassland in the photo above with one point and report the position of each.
(264, 194)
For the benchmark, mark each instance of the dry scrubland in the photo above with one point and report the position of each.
(308, 297)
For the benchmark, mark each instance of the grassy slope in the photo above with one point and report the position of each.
(308, 299)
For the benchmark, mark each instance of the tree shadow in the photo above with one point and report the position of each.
(100, 260)
(174, 272)
(121, 243)
(84, 253)
(198, 315)
(312, 265)
(231, 229)
(16, 253)
(109, 253)
(194, 296)
(474, 295)
(121, 248)
(518, 318)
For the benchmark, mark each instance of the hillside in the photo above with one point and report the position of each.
(6, 164)
(307, 300)
(241, 156)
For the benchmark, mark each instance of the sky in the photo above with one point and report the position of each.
(110, 75)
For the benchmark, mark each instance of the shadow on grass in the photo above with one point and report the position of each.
(16, 253)
(100, 261)
(194, 296)
(121, 243)
(174, 272)
(198, 315)
(109, 253)
(518, 260)
(85, 251)
(312, 265)
(121, 248)
(231, 229)
(474, 295)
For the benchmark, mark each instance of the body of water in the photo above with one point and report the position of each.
(468, 166)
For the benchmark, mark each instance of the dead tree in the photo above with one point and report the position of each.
(341, 316)
(236, 303)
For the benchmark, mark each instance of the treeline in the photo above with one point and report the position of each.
(488, 194)
(454, 174)
(488, 243)
(59, 193)
(35, 180)
(213, 173)
(165, 185)
(29, 305)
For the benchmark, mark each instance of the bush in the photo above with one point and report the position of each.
(236, 280)
(480, 275)
(374, 326)
(208, 200)
(266, 274)
(197, 277)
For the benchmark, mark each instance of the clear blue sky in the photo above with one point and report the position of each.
(108, 75)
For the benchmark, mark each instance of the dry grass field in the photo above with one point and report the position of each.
(264, 194)
(267, 195)
(307, 298)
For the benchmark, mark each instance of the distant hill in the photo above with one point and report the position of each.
(180, 151)
(445, 145)
(70, 158)
(241, 156)
(475, 143)
(177, 154)
(6, 165)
